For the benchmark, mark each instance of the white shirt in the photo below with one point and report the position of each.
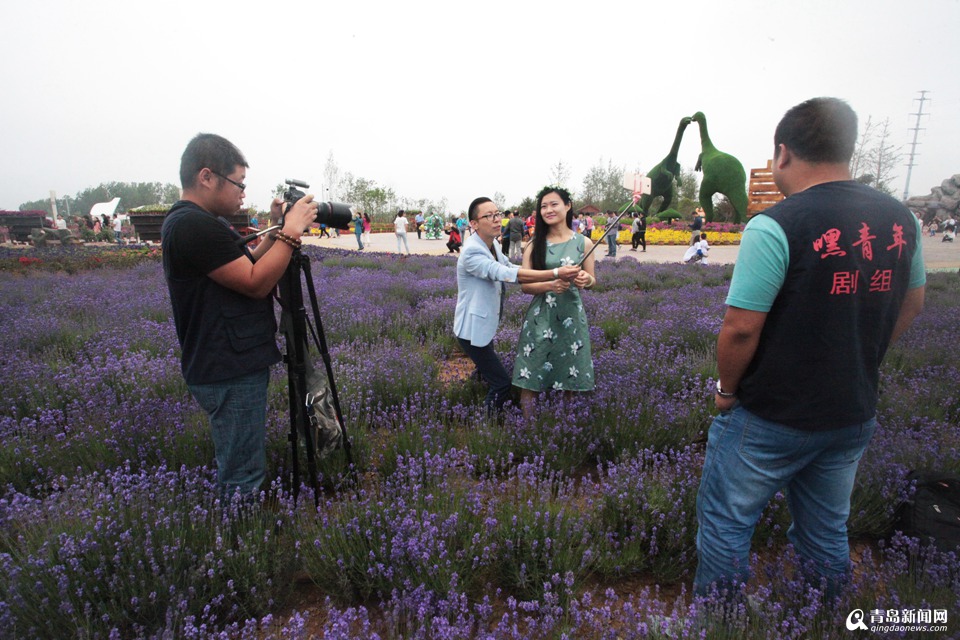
(700, 246)
(400, 223)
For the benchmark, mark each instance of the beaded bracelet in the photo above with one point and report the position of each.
(296, 243)
(287, 240)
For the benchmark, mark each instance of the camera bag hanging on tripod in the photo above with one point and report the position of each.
(327, 434)
(933, 513)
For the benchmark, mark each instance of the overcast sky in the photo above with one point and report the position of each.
(451, 99)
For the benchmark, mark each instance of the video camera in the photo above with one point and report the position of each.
(332, 214)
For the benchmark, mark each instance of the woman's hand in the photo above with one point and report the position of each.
(568, 272)
(583, 280)
(559, 286)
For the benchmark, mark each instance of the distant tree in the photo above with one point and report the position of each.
(603, 186)
(861, 150)
(500, 200)
(440, 206)
(688, 190)
(884, 158)
(377, 199)
(367, 195)
(526, 206)
(559, 174)
(425, 205)
(407, 204)
(331, 176)
(37, 205)
(875, 157)
(723, 210)
(131, 194)
(170, 193)
(594, 184)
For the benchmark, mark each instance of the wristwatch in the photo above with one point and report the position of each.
(556, 272)
(722, 393)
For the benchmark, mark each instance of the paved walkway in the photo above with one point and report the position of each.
(937, 255)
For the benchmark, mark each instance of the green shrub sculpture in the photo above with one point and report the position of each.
(722, 173)
(663, 175)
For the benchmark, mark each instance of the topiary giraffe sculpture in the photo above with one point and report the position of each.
(722, 173)
(662, 176)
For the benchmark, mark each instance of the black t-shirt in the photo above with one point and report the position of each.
(198, 243)
(223, 334)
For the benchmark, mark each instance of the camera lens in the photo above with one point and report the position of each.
(335, 214)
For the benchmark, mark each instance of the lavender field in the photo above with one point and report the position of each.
(579, 525)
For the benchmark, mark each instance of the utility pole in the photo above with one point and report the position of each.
(913, 146)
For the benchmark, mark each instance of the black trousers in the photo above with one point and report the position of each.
(492, 370)
(640, 237)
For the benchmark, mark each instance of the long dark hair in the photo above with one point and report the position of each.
(539, 256)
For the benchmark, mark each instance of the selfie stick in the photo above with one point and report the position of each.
(610, 227)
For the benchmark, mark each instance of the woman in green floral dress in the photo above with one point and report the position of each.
(554, 347)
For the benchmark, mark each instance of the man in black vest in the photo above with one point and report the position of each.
(221, 305)
(824, 282)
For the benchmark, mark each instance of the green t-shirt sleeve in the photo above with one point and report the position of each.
(761, 267)
(762, 263)
(918, 274)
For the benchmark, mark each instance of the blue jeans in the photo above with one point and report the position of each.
(750, 459)
(238, 416)
(612, 244)
(492, 370)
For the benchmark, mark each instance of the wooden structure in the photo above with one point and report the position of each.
(22, 223)
(590, 209)
(147, 225)
(763, 192)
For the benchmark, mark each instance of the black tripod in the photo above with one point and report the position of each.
(305, 414)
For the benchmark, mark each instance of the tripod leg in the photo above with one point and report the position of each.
(292, 435)
(294, 327)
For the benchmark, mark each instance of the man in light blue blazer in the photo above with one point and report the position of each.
(482, 271)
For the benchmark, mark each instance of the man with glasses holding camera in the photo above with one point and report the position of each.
(220, 293)
(482, 270)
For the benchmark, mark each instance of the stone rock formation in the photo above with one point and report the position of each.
(943, 201)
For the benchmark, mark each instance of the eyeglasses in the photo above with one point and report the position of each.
(239, 185)
(494, 216)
